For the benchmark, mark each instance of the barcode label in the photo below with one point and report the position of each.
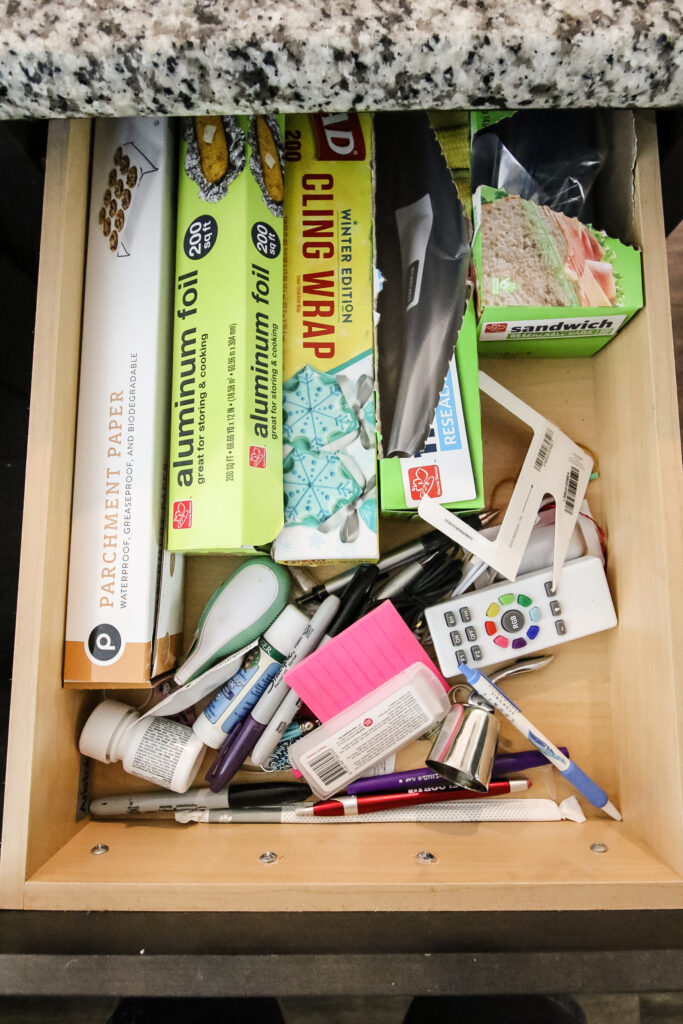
(570, 488)
(544, 451)
(327, 766)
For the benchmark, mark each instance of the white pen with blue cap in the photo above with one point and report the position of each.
(566, 767)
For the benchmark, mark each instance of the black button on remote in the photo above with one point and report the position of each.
(512, 620)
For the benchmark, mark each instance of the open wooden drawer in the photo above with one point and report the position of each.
(614, 698)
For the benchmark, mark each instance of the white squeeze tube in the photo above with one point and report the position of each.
(157, 749)
(260, 669)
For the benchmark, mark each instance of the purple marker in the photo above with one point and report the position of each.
(425, 780)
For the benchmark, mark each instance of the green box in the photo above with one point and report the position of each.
(393, 501)
(225, 472)
(552, 330)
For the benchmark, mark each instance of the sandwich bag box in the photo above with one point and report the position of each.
(124, 606)
(225, 474)
(330, 495)
(553, 277)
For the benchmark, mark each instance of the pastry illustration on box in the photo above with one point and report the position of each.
(130, 167)
(215, 156)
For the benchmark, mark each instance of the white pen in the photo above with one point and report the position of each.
(240, 815)
(491, 809)
(279, 701)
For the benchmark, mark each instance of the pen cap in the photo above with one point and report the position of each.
(285, 631)
(466, 745)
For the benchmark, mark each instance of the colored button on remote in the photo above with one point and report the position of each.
(502, 641)
(524, 600)
(535, 614)
(518, 642)
(492, 610)
(506, 598)
(490, 628)
(532, 632)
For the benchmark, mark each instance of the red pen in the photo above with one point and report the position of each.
(343, 805)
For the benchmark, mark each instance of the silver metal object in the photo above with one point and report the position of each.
(425, 857)
(599, 847)
(520, 666)
(98, 850)
(268, 857)
(466, 745)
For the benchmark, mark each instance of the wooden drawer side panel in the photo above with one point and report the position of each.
(640, 471)
(41, 768)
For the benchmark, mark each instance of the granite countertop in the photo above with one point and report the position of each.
(81, 57)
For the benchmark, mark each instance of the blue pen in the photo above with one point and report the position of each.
(566, 767)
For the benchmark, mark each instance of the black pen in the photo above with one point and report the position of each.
(352, 598)
(247, 794)
(413, 550)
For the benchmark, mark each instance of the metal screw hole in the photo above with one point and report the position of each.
(425, 857)
(599, 847)
(99, 849)
(268, 857)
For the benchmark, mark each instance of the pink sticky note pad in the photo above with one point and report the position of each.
(361, 658)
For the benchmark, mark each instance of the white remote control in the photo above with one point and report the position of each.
(509, 620)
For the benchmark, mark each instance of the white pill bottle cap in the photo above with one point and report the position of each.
(105, 729)
(156, 749)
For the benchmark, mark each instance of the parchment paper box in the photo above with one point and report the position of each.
(329, 401)
(124, 611)
(225, 480)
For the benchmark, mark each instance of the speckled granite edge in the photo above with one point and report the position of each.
(86, 57)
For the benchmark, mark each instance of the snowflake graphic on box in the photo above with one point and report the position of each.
(316, 486)
(316, 414)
